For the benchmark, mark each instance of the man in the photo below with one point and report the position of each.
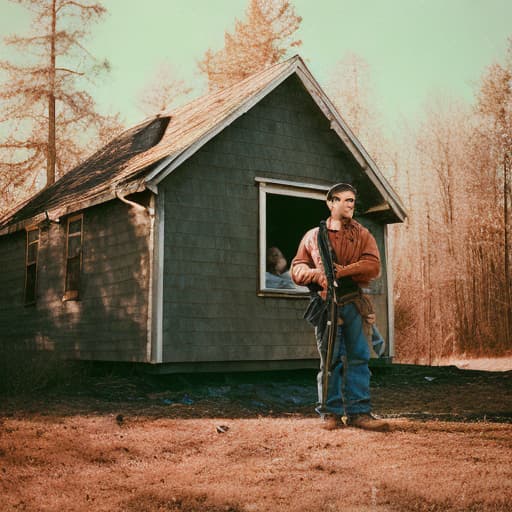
(335, 261)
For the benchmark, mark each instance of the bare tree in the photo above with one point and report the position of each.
(452, 258)
(350, 86)
(263, 39)
(51, 120)
(442, 146)
(162, 91)
(494, 108)
(451, 296)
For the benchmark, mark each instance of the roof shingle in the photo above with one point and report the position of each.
(140, 147)
(142, 152)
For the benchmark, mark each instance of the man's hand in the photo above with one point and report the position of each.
(318, 277)
(337, 270)
(321, 280)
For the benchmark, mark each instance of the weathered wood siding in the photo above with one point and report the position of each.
(109, 321)
(211, 308)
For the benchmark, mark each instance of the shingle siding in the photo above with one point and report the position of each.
(211, 308)
(12, 284)
(109, 322)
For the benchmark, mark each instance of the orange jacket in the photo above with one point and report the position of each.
(355, 248)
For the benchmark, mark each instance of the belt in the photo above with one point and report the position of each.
(348, 297)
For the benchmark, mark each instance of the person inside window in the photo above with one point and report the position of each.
(277, 275)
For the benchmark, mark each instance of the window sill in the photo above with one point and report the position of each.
(286, 293)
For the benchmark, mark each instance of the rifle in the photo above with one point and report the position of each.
(327, 256)
(339, 292)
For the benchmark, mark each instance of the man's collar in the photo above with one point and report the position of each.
(346, 223)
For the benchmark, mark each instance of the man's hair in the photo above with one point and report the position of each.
(340, 187)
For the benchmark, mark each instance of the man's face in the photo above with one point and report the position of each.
(277, 260)
(342, 205)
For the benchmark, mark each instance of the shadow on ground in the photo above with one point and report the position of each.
(408, 391)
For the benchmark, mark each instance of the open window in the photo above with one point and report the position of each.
(31, 255)
(287, 211)
(73, 257)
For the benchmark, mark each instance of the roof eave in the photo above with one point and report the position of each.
(297, 66)
(53, 214)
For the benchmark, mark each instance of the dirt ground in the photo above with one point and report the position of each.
(117, 441)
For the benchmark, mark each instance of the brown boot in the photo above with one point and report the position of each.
(331, 422)
(367, 422)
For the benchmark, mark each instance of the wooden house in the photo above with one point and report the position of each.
(153, 250)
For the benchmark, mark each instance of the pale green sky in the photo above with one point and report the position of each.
(415, 48)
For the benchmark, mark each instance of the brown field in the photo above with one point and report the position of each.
(127, 443)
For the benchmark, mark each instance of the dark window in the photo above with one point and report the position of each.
(286, 214)
(288, 219)
(73, 257)
(31, 266)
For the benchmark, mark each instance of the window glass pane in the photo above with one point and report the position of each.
(33, 235)
(73, 273)
(74, 246)
(73, 264)
(32, 252)
(75, 226)
(30, 288)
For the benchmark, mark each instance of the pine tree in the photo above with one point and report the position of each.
(50, 119)
(263, 39)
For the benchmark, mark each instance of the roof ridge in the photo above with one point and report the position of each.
(224, 90)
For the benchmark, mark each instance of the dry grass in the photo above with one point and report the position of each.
(127, 443)
(94, 463)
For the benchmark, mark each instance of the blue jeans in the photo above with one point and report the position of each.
(349, 380)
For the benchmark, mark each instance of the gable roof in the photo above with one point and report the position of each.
(140, 157)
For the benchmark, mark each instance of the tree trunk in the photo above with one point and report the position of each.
(52, 150)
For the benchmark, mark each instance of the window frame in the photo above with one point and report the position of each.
(73, 294)
(285, 188)
(28, 230)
